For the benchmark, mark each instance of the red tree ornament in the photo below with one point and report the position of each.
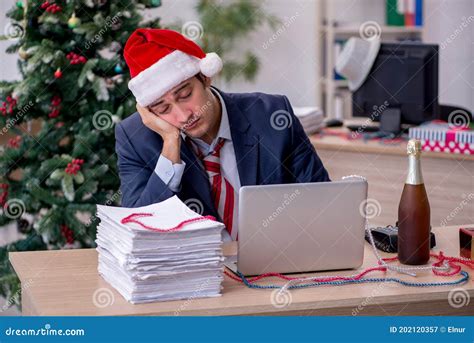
(7, 106)
(75, 58)
(74, 166)
(58, 73)
(4, 195)
(55, 106)
(51, 7)
(14, 143)
(67, 233)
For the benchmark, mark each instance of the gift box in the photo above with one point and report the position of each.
(439, 136)
(466, 242)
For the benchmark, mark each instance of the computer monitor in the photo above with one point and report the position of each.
(403, 83)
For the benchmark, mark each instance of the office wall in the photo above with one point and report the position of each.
(451, 25)
(289, 61)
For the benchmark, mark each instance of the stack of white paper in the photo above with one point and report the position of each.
(145, 265)
(311, 118)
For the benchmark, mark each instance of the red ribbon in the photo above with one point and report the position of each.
(133, 218)
(441, 258)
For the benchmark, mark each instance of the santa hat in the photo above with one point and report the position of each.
(159, 60)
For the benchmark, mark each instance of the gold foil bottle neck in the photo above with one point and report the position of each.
(414, 147)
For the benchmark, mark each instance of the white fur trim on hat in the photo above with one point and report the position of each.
(153, 82)
(176, 67)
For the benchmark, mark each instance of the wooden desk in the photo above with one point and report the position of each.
(63, 282)
(449, 178)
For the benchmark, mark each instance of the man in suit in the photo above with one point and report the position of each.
(195, 141)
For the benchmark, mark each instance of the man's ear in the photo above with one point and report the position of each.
(207, 81)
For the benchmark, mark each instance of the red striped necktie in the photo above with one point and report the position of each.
(222, 191)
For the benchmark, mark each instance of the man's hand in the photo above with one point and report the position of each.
(169, 133)
(157, 124)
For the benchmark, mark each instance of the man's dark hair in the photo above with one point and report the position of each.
(200, 77)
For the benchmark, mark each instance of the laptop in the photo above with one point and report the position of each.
(303, 227)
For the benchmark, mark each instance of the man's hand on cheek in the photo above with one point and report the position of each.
(157, 124)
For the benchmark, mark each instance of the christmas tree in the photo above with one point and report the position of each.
(73, 89)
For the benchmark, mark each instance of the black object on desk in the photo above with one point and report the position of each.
(391, 121)
(333, 123)
(363, 128)
(386, 238)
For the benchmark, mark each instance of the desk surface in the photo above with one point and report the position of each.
(335, 142)
(63, 282)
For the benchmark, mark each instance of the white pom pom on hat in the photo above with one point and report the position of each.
(159, 60)
(211, 64)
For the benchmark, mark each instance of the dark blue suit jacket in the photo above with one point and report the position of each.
(265, 155)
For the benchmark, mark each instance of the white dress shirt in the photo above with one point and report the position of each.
(171, 173)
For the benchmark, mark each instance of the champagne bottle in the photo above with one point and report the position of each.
(414, 212)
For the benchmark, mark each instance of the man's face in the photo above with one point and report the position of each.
(189, 107)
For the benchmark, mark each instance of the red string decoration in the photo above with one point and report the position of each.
(133, 218)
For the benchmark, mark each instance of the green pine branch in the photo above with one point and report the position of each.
(36, 169)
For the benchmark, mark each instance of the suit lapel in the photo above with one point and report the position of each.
(245, 141)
